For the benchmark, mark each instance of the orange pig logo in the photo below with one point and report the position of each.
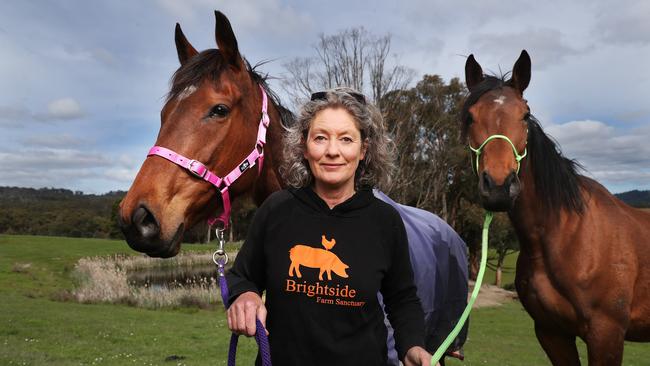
(323, 259)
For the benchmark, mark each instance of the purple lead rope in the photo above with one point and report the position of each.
(260, 333)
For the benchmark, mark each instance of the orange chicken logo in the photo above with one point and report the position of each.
(323, 259)
(328, 244)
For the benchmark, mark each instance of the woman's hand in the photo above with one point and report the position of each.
(243, 312)
(417, 356)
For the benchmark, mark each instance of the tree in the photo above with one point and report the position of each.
(424, 124)
(469, 227)
(503, 241)
(353, 58)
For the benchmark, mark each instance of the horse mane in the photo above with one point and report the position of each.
(210, 64)
(557, 182)
(287, 117)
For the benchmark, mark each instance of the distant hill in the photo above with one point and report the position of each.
(59, 212)
(62, 212)
(635, 198)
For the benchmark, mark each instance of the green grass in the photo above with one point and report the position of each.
(504, 336)
(37, 330)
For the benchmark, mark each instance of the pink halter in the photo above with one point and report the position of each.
(201, 171)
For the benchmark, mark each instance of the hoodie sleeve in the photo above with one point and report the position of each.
(400, 294)
(247, 273)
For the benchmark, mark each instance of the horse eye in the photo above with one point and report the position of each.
(219, 111)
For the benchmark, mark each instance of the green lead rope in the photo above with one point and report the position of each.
(477, 287)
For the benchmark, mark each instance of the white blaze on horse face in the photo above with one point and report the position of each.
(500, 100)
(186, 92)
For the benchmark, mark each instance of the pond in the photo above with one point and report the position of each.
(174, 276)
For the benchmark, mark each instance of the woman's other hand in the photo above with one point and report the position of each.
(244, 311)
(417, 356)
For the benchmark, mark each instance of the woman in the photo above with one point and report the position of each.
(323, 248)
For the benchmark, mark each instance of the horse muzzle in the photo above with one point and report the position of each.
(498, 198)
(143, 234)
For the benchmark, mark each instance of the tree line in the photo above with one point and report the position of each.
(59, 212)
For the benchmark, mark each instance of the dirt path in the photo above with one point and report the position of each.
(491, 295)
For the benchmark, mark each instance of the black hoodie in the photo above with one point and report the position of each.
(321, 269)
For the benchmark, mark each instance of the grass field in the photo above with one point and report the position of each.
(38, 328)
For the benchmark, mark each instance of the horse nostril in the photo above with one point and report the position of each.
(145, 222)
(513, 185)
(488, 182)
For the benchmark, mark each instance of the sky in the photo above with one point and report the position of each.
(83, 82)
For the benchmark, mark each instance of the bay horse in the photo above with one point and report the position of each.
(212, 116)
(583, 270)
(211, 113)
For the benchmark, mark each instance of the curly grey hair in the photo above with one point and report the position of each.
(374, 170)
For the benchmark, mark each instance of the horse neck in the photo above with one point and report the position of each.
(269, 180)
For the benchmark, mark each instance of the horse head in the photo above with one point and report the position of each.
(211, 116)
(494, 121)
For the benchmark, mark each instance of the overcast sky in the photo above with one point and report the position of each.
(83, 81)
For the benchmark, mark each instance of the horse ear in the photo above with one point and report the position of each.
(521, 72)
(473, 73)
(226, 40)
(183, 47)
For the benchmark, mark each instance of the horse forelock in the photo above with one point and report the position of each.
(489, 83)
(209, 64)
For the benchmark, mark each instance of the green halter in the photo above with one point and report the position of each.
(514, 150)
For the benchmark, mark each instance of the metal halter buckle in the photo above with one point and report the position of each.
(196, 173)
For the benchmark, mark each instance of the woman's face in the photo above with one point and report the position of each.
(334, 148)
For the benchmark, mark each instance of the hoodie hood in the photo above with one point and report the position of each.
(349, 207)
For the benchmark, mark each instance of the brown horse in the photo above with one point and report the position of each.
(211, 115)
(583, 268)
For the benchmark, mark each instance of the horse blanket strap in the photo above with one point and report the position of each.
(260, 333)
(200, 170)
